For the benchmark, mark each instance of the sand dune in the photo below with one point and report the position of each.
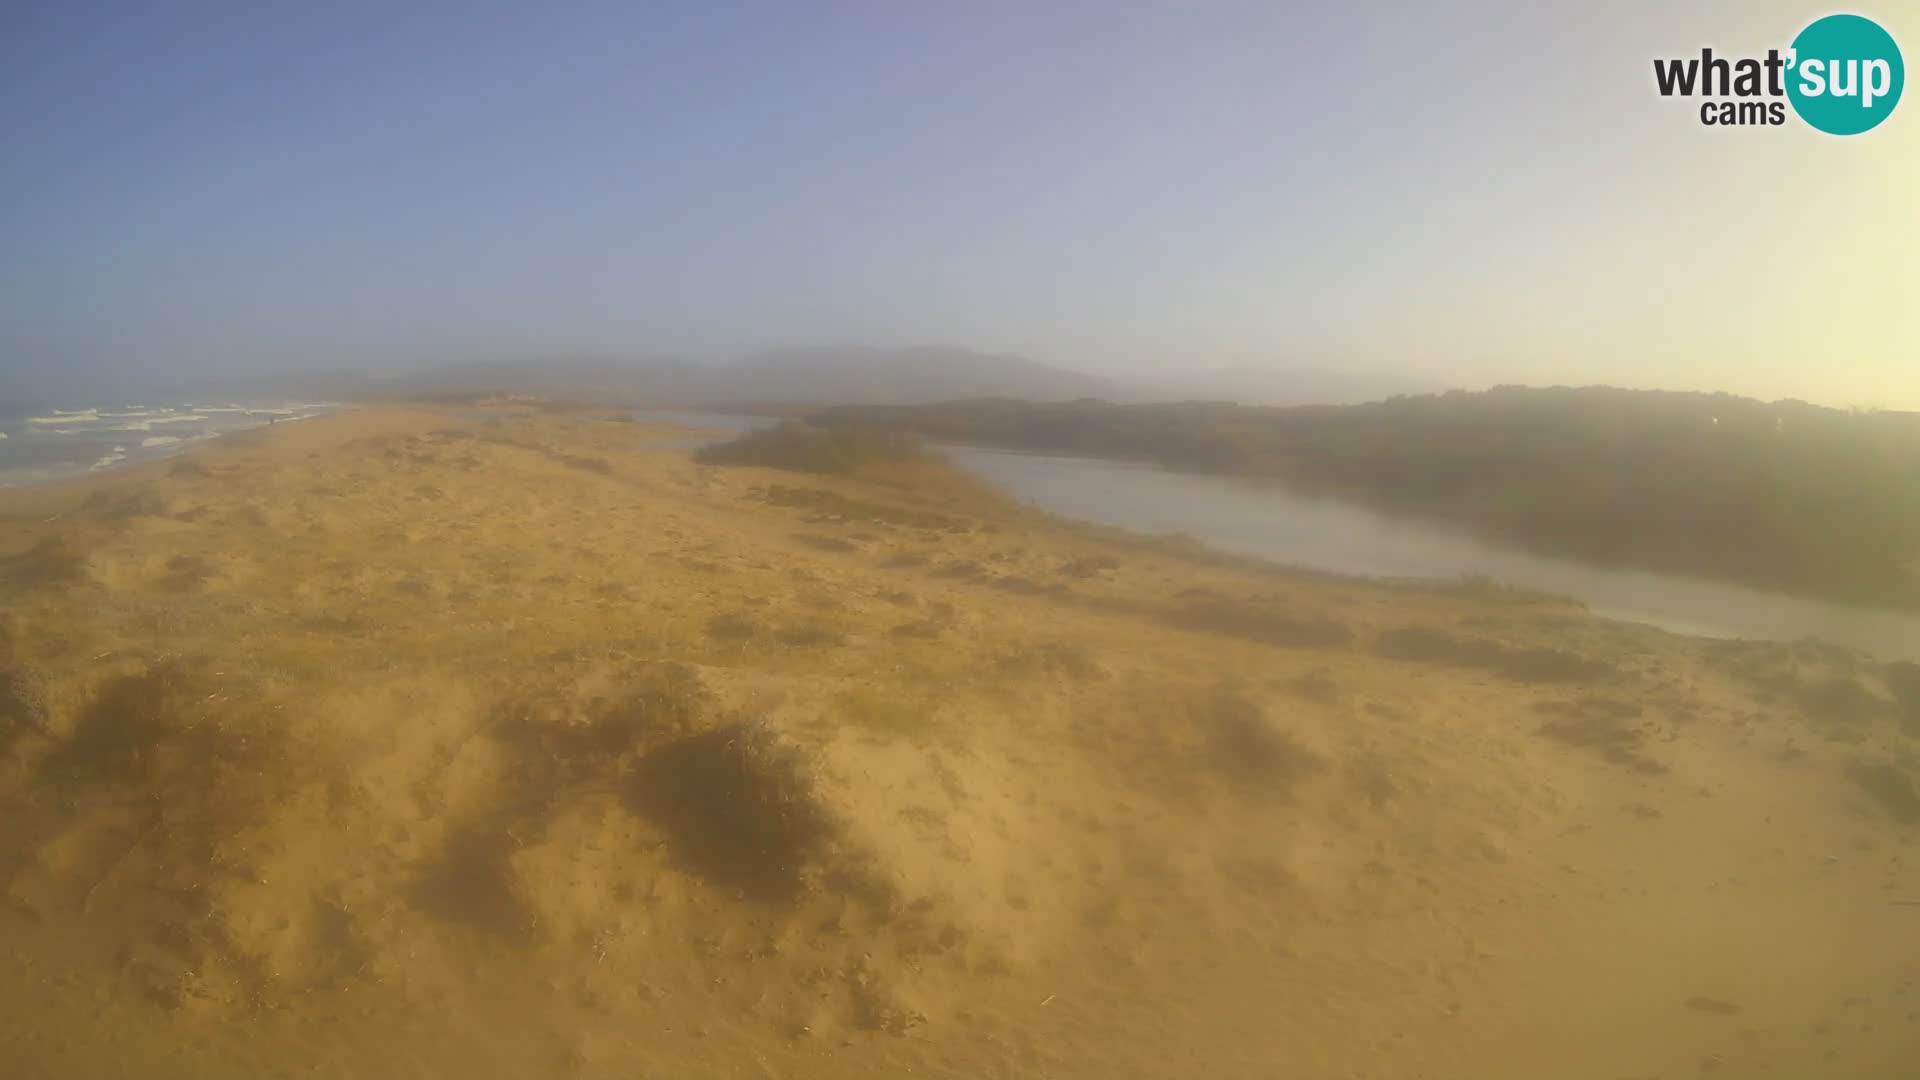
(504, 742)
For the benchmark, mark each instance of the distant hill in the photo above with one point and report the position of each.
(1284, 385)
(859, 375)
(820, 375)
(829, 375)
(636, 380)
(548, 377)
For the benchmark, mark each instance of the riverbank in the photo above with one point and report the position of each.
(1778, 496)
(1266, 520)
(513, 742)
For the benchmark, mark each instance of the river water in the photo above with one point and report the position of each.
(1269, 522)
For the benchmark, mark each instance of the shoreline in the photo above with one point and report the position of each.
(1481, 467)
(125, 446)
(31, 512)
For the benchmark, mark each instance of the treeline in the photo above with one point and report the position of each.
(1781, 495)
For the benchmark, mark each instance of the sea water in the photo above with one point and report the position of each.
(43, 443)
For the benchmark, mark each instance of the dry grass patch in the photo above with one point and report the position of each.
(732, 626)
(54, 560)
(1608, 728)
(1090, 566)
(796, 446)
(1259, 624)
(831, 544)
(23, 704)
(833, 505)
(891, 712)
(1840, 701)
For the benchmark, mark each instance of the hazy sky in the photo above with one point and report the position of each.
(1475, 192)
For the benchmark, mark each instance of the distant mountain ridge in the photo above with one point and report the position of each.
(824, 375)
(814, 376)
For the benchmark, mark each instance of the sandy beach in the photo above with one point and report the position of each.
(511, 742)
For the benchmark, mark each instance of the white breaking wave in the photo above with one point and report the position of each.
(152, 430)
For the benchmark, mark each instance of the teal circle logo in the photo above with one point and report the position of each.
(1845, 75)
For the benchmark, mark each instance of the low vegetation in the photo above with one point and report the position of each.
(1422, 644)
(23, 704)
(55, 559)
(1894, 788)
(1612, 729)
(1837, 700)
(1251, 749)
(1256, 623)
(1781, 495)
(738, 803)
(801, 448)
(1903, 679)
(832, 505)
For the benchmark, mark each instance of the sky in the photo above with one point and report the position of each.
(1481, 192)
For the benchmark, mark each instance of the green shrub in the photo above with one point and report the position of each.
(796, 446)
(1422, 644)
(1259, 624)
